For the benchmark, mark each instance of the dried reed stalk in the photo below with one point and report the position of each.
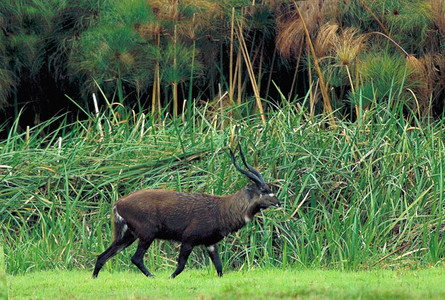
(375, 17)
(231, 80)
(391, 40)
(324, 91)
(239, 63)
(156, 95)
(249, 67)
(155, 85)
(175, 84)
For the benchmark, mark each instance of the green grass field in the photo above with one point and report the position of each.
(253, 284)
(3, 285)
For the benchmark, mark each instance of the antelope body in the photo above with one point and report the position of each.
(191, 219)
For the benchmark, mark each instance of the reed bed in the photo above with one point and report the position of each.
(356, 195)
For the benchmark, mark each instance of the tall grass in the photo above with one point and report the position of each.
(355, 195)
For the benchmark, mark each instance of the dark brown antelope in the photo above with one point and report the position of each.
(191, 219)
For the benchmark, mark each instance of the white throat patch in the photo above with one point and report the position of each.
(272, 195)
(247, 219)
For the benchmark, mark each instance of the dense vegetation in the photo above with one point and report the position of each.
(156, 54)
(357, 160)
(355, 195)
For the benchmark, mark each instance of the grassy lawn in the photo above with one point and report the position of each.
(3, 286)
(254, 284)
